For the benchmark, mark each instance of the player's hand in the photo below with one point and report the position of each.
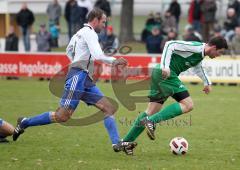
(120, 61)
(207, 89)
(165, 73)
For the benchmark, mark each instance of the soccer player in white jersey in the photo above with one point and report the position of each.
(6, 129)
(178, 56)
(82, 50)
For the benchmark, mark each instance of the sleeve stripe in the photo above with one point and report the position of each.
(164, 57)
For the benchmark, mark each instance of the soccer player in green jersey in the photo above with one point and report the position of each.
(177, 57)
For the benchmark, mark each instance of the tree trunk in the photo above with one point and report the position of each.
(126, 25)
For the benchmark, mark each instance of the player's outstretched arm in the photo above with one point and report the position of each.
(200, 72)
(207, 89)
(120, 61)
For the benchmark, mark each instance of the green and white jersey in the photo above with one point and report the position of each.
(178, 56)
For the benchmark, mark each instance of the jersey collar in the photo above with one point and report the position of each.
(88, 25)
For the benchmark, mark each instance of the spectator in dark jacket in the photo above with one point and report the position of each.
(105, 6)
(230, 24)
(148, 27)
(67, 15)
(75, 17)
(11, 40)
(235, 4)
(25, 19)
(153, 42)
(11, 44)
(209, 8)
(175, 10)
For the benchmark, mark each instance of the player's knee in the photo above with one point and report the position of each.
(63, 118)
(189, 107)
(62, 115)
(110, 110)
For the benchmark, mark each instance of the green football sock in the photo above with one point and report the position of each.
(136, 129)
(168, 112)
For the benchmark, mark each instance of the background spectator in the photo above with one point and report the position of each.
(54, 12)
(190, 34)
(43, 39)
(54, 31)
(169, 23)
(158, 20)
(172, 35)
(209, 8)
(25, 19)
(105, 6)
(86, 4)
(195, 15)
(67, 15)
(230, 24)
(216, 31)
(235, 4)
(236, 42)
(148, 27)
(109, 42)
(153, 42)
(175, 10)
(75, 17)
(11, 43)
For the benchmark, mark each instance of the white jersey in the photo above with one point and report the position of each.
(84, 48)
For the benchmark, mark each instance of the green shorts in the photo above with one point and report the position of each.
(161, 89)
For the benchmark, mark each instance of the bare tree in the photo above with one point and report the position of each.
(126, 25)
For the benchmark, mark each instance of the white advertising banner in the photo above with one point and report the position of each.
(218, 70)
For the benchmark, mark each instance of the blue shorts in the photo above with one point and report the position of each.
(79, 86)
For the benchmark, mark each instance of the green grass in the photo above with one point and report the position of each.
(213, 135)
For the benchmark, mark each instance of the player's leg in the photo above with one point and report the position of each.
(110, 124)
(109, 121)
(93, 96)
(137, 128)
(184, 104)
(60, 115)
(6, 129)
(169, 87)
(155, 104)
(68, 103)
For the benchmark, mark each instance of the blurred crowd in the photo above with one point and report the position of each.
(159, 27)
(202, 25)
(75, 14)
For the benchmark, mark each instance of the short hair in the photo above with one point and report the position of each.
(219, 41)
(95, 13)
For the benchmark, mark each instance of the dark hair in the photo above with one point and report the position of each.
(95, 13)
(219, 42)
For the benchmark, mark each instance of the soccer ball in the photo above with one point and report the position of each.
(178, 146)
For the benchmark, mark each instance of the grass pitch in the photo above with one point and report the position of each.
(212, 130)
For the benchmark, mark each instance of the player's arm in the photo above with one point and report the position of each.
(200, 72)
(172, 46)
(97, 53)
(166, 58)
